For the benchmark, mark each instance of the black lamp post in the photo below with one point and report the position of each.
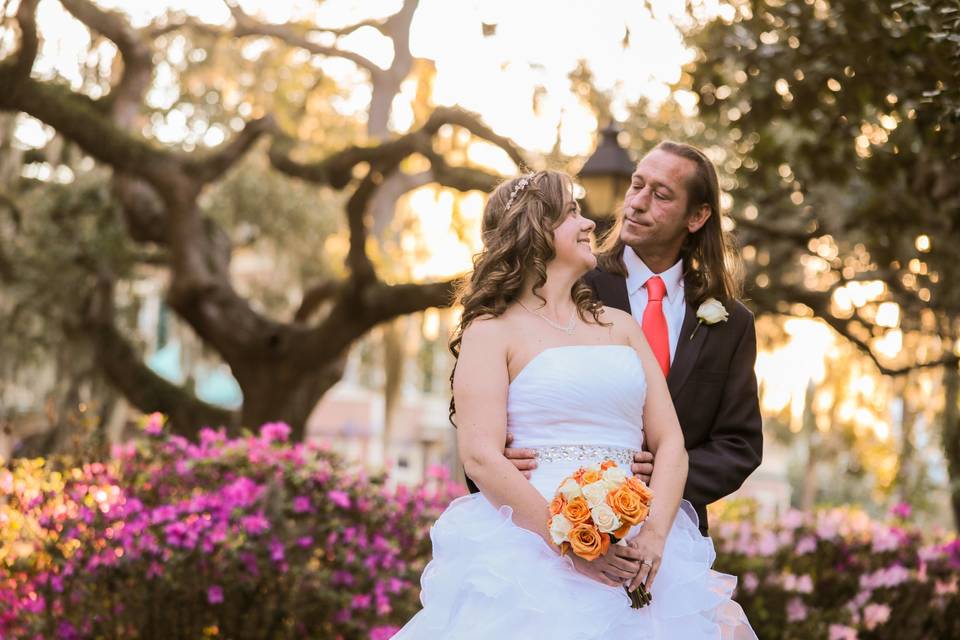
(605, 177)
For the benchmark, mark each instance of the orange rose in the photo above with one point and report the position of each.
(606, 464)
(622, 531)
(578, 475)
(628, 505)
(577, 511)
(557, 504)
(637, 486)
(589, 477)
(587, 542)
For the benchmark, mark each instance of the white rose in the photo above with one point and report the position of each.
(595, 493)
(560, 529)
(614, 477)
(712, 311)
(605, 519)
(570, 489)
(594, 467)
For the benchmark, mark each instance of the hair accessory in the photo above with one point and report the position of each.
(517, 188)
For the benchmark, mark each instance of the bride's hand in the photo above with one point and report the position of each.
(611, 569)
(649, 546)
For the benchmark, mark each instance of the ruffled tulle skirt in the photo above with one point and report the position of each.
(490, 578)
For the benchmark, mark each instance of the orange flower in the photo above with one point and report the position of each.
(606, 464)
(557, 504)
(637, 486)
(578, 475)
(577, 511)
(589, 477)
(587, 542)
(622, 531)
(628, 505)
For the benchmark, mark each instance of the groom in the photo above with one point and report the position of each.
(665, 258)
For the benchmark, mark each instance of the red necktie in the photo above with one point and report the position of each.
(655, 324)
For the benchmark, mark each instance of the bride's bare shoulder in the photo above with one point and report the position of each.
(485, 332)
(623, 326)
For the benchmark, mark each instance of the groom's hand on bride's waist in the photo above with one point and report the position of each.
(523, 459)
(642, 465)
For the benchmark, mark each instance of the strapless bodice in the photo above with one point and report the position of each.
(582, 398)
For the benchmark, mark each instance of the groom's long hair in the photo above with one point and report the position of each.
(517, 244)
(712, 267)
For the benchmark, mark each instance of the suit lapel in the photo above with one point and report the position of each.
(612, 290)
(687, 351)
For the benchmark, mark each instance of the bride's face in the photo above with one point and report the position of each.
(571, 239)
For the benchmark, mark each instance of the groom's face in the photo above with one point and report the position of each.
(655, 208)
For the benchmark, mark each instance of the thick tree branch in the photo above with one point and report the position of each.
(18, 69)
(248, 26)
(336, 169)
(135, 50)
(384, 202)
(81, 120)
(210, 167)
(352, 316)
(392, 300)
(314, 297)
(379, 25)
(361, 269)
(472, 123)
(125, 369)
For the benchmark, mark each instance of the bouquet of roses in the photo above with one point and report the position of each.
(596, 507)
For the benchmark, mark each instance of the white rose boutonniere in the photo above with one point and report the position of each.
(711, 312)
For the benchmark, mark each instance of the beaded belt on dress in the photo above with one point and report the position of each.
(620, 455)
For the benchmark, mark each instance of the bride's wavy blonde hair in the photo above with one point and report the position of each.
(517, 233)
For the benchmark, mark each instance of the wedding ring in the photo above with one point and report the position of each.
(646, 563)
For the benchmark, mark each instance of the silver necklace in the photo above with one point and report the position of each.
(567, 329)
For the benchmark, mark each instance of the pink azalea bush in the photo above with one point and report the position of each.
(255, 537)
(250, 537)
(840, 575)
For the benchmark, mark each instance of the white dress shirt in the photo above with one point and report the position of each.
(674, 303)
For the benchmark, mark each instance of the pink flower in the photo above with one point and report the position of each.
(438, 471)
(901, 510)
(255, 524)
(154, 425)
(807, 544)
(301, 504)
(796, 610)
(276, 550)
(750, 582)
(875, 614)
(383, 633)
(841, 632)
(275, 432)
(339, 498)
(214, 594)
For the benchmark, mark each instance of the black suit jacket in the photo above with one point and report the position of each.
(714, 390)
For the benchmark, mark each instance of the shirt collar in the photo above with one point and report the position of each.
(638, 273)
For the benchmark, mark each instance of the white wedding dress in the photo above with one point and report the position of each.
(492, 579)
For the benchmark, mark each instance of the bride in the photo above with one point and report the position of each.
(577, 382)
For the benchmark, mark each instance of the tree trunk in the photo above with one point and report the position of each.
(906, 480)
(951, 437)
(811, 436)
(278, 394)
